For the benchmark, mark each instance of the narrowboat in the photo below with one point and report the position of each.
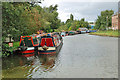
(83, 30)
(63, 34)
(50, 43)
(71, 32)
(93, 31)
(79, 32)
(66, 33)
(27, 45)
(88, 31)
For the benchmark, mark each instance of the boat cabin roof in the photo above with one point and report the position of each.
(28, 41)
(50, 34)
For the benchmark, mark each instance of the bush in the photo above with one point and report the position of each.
(6, 50)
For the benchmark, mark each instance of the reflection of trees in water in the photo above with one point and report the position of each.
(47, 61)
(15, 67)
(44, 62)
(13, 61)
(27, 66)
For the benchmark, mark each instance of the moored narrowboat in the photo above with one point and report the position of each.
(83, 30)
(63, 34)
(66, 33)
(50, 43)
(27, 45)
(79, 32)
(92, 31)
(71, 32)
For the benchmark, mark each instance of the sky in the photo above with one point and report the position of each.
(88, 9)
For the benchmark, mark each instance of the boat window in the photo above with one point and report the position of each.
(22, 43)
(59, 37)
(39, 39)
(35, 41)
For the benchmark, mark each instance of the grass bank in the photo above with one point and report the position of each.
(16, 72)
(106, 33)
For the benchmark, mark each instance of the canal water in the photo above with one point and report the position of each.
(81, 56)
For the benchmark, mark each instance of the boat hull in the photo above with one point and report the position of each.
(28, 53)
(83, 32)
(52, 51)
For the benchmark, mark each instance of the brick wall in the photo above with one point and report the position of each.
(115, 22)
(119, 21)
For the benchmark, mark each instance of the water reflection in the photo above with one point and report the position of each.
(13, 61)
(47, 60)
(42, 65)
(27, 66)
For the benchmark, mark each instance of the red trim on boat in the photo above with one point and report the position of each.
(28, 39)
(28, 55)
(20, 40)
(27, 51)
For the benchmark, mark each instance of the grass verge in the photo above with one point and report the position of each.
(106, 33)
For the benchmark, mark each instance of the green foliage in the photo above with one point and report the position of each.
(104, 20)
(70, 28)
(6, 50)
(73, 24)
(51, 15)
(12, 21)
(24, 18)
(71, 17)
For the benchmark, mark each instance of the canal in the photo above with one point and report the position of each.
(81, 56)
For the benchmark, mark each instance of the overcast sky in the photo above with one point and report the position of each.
(88, 9)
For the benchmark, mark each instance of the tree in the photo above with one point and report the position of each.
(71, 17)
(104, 20)
(70, 20)
(71, 24)
(25, 18)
